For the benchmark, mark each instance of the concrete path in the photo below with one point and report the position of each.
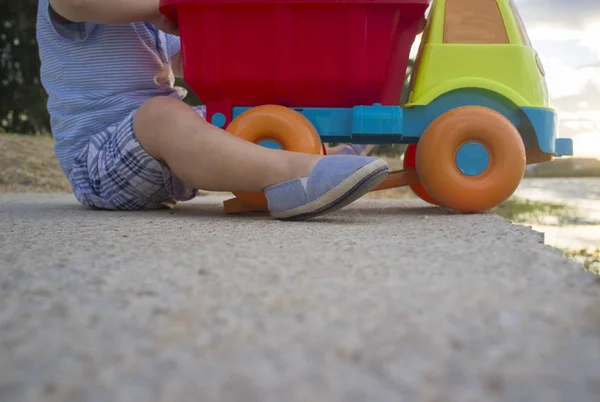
(383, 301)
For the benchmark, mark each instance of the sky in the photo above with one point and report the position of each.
(566, 34)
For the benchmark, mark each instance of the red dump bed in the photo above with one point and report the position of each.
(296, 53)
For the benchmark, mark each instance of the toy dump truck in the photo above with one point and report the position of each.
(293, 74)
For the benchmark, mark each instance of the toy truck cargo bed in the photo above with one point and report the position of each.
(295, 53)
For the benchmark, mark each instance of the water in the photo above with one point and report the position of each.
(583, 194)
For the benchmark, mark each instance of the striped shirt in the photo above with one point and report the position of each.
(95, 75)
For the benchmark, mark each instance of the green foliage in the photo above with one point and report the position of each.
(553, 214)
(191, 99)
(532, 212)
(588, 257)
(541, 213)
(22, 97)
(568, 167)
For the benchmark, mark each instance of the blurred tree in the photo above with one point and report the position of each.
(405, 88)
(191, 99)
(22, 97)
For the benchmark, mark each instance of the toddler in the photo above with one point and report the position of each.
(126, 140)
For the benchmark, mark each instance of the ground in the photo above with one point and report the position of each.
(27, 164)
(386, 300)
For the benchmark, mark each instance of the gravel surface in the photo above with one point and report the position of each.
(386, 300)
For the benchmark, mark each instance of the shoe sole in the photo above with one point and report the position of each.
(351, 189)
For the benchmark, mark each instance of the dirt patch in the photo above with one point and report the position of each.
(28, 165)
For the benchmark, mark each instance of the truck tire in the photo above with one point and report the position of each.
(471, 159)
(286, 127)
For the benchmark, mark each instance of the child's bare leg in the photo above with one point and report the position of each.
(296, 185)
(351, 149)
(208, 158)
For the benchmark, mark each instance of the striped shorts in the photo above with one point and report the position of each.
(114, 172)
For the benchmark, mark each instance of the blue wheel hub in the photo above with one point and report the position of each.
(269, 144)
(218, 120)
(472, 159)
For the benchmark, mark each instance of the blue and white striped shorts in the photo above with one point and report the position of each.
(114, 172)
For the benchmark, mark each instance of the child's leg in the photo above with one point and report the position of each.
(208, 158)
(296, 185)
(352, 149)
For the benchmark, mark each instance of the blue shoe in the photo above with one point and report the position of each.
(335, 182)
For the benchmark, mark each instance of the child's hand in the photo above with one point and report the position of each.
(114, 12)
(164, 24)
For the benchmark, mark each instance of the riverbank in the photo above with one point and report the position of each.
(566, 210)
(564, 226)
(565, 167)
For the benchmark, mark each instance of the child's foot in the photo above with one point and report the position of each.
(335, 182)
(358, 149)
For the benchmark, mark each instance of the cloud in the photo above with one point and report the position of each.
(585, 100)
(570, 52)
(573, 13)
(566, 33)
(569, 81)
(579, 116)
(586, 142)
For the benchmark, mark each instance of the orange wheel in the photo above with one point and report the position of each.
(410, 162)
(285, 127)
(471, 159)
